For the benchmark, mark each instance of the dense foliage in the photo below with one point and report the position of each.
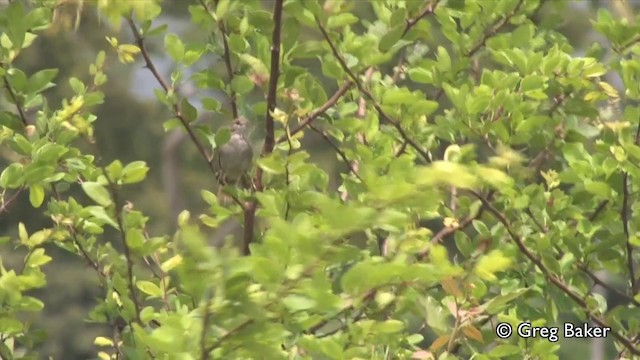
(490, 175)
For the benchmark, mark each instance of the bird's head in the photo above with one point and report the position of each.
(240, 125)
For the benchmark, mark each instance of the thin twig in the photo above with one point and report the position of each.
(396, 124)
(269, 137)
(495, 29)
(15, 99)
(227, 58)
(428, 10)
(204, 354)
(360, 114)
(492, 31)
(176, 107)
(446, 231)
(123, 237)
(600, 282)
(317, 112)
(5, 204)
(338, 151)
(553, 278)
(624, 213)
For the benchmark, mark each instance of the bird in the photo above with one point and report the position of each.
(233, 160)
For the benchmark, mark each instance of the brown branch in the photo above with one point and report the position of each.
(543, 229)
(369, 295)
(269, 137)
(428, 10)
(176, 107)
(227, 335)
(624, 213)
(367, 93)
(446, 231)
(317, 112)
(355, 164)
(123, 237)
(596, 280)
(226, 57)
(494, 29)
(553, 278)
(338, 151)
(497, 26)
(15, 99)
(5, 204)
(204, 354)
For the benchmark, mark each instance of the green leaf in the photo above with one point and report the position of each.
(149, 288)
(340, 20)
(23, 235)
(211, 104)
(135, 238)
(223, 135)
(11, 175)
(37, 258)
(99, 213)
(388, 40)
(444, 60)
(398, 96)
(222, 8)
(598, 188)
(171, 263)
(504, 350)
(103, 341)
(390, 326)
(134, 172)
(174, 47)
(171, 124)
(38, 238)
(273, 164)
(492, 263)
(190, 113)
(77, 86)
(97, 193)
(241, 84)
(496, 304)
(36, 195)
(298, 302)
(10, 326)
(423, 107)
(41, 80)
(422, 76)
(331, 68)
